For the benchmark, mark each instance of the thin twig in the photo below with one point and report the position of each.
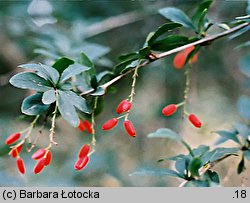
(155, 56)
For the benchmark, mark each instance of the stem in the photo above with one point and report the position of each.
(187, 88)
(188, 148)
(53, 125)
(155, 56)
(93, 142)
(132, 93)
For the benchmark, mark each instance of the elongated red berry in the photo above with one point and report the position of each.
(129, 127)
(20, 165)
(12, 138)
(39, 166)
(48, 158)
(15, 151)
(84, 151)
(81, 163)
(81, 126)
(88, 126)
(179, 60)
(39, 154)
(188, 50)
(169, 110)
(124, 106)
(195, 120)
(110, 124)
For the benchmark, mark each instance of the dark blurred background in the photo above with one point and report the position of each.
(216, 85)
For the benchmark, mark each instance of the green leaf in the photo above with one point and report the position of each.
(128, 56)
(243, 106)
(177, 16)
(30, 81)
(243, 45)
(133, 64)
(121, 66)
(99, 92)
(230, 135)
(77, 101)
(241, 166)
(181, 165)
(212, 176)
(82, 82)
(67, 109)
(165, 133)
(38, 68)
(170, 42)
(162, 30)
(72, 70)
(194, 166)
(247, 154)
(197, 183)
(33, 105)
(200, 150)
(243, 130)
(144, 52)
(218, 153)
(61, 64)
(52, 73)
(245, 65)
(84, 60)
(102, 75)
(49, 97)
(156, 172)
(201, 13)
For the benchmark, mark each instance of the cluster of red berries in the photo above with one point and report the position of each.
(43, 156)
(180, 58)
(85, 125)
(172, 108)
(83, 157)
(123, 107)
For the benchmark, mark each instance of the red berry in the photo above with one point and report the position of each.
(39, 166)
(110, 124)
(169, 110)
(195, 120)
(12, 138)
(20, 165)
(88, 126)
(81, 163)
(194, 59)
(48, 158)
(124, 106)
(39, 154)
(188, 50)
(129, 127)
(81, 126)
(15, 151)
(179, 60)
(84, 151)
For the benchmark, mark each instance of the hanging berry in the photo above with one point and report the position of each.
(195, 120)
(48, 158)
(124, 106)
(20, 165)
(39, 154)
(169, 110)
(39, 166)
(110, 124)
(88, 127)
(16, 151)
(129, 127)
(81, 163)
(81, 126)
(84, 151)
(12, 138)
